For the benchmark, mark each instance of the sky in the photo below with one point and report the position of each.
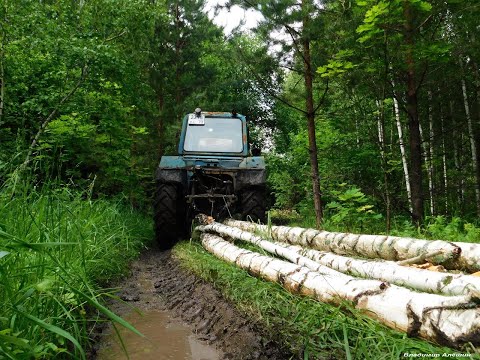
(230, 19)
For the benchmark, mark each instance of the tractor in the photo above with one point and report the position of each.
(214, 173)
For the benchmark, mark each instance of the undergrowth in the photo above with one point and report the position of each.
(309, 328)
(58, 249)
(434, 227)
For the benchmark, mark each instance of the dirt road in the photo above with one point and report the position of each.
(182, 317)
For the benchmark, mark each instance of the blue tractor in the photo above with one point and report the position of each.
(214, 173)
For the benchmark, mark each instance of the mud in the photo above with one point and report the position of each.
(164, 338)
(182, 317)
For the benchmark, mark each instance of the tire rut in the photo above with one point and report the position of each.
(158, 282)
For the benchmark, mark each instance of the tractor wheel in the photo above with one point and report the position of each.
(168, 215)
(253, 204)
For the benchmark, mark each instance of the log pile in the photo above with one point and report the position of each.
(442, 307)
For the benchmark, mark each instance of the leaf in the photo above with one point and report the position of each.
(6, 235)
(22, 343)
(108, 313)
(44, 285)
(423, 5)
(365, 208)
(54, 329)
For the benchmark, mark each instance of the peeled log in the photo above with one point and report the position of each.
(370, 246)
(450, 321)
(419, 279)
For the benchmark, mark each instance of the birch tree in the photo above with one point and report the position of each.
(402, 152)
(473, 146)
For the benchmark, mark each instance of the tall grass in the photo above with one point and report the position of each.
(57, 249)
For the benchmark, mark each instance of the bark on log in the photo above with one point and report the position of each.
(419, 279)
(370, 246)
(291, 255)
(469, 258)
(324, 262)
(450, 321)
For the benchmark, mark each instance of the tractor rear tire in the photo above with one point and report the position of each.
(167, 215)
(253, 204)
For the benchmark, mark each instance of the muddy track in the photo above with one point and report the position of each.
(158, 282)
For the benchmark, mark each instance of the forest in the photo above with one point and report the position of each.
(367, 112)
(386, 92)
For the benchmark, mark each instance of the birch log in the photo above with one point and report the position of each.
(324, 262)
(449, 321)
(291, 255)
(370, 246)
(469, 258)
(419, 279)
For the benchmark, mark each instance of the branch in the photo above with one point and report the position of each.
(51, 116)
(116, 36)
(424, 73)
(424, 22)
(322, 99)
(265, 88)
(290, 31)
(291, 69)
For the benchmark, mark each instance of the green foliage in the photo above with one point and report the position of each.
(57, 249)
(351, 209)
(334, 68)
(443, 228)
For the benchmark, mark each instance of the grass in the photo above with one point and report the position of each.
(58, 250)
(307, 327)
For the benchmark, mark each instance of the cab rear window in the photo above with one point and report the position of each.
(216, 135)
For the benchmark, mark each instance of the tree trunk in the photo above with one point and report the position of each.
(444, 162)
(381, 141)
(312, 141)
(476, 73)
(473, 146)
(324, 262)
(448, 320)
(160, 124)
(470, 257)
(430, 153)
(370, 246)
(403, 153)
(456, 158)
(357, 129)
(457, 255)
(178, 61)
(426, 159)
(419, 279)
(282, 251)
(416, 177)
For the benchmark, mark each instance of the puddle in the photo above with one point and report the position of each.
(164, 340)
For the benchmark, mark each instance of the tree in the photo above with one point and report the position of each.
(297, 21)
